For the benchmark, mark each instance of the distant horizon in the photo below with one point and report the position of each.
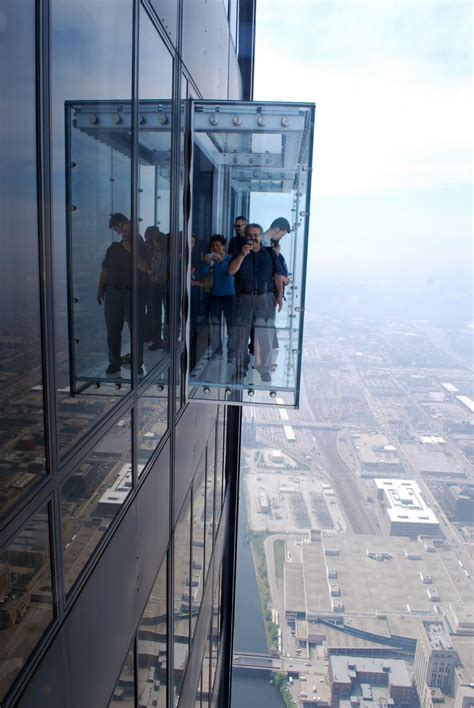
(392, 170)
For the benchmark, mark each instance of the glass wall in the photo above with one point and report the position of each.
(22, 443)
(215, 631)
(124, 692)
(197, 702)
(154, 213)
(199, 538)
(152, 418)
(206, 672)
(91, 58)
(93, 495)
(210, 489)
(251, 191)
(220, 460)
(26, 607)
(152, 647)
(182, 579)
(148, 681)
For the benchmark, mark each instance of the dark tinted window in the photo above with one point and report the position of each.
(91, 61)
(152, 646)
(26, 606)
(92, 496)
(22, 448)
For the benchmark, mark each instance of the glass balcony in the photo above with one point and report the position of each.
(246, 287)
(100, 278)
(250, 160)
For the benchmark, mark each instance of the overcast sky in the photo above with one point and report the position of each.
(392, 82)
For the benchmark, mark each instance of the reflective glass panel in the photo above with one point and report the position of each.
(182, 596)
(210, 487)
(22, 449)
(247, 284)
(233, 11)
(215, 634)
(197, 702)
(167, 12)
(197, 560)
(183, 210)
(91, 208)
(152, 646)
(92, 495)
(152, 414)
(154, 126)
(217, 613)
(220, 431)
(179, 382)
(26, 603)
(124, 692)
(205, 676)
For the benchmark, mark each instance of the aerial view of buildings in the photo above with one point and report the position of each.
(236, 391)
(359, 509)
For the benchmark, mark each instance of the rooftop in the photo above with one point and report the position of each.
(466, 401)
(405, 502)
(430, 459)
(438, 635)
(391, 585)
(345, 668)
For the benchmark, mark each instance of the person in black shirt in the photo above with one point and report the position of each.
(115, 290)
(236, 243)
(259, 288)
(156, 325)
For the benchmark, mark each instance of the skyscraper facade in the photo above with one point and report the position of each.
(117, 495)
(435, 661)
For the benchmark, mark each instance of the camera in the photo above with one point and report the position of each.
(249, 242)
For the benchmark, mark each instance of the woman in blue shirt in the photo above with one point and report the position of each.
(221, 296)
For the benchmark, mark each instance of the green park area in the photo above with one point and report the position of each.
(279, 556)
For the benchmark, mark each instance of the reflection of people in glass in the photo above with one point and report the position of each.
(259, 291)
(115, 290)
(197, 297)
(158, 287)
(221, 297)
(236, 243)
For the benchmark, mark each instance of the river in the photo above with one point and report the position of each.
(249, 628)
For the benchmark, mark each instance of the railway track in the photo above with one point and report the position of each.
(345, 486)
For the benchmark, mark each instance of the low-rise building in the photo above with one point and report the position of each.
(355, 676)
(460, 501)
(407, 511)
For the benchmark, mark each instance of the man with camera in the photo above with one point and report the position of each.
(259, 289)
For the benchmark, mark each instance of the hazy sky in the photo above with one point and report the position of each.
(392, 82)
